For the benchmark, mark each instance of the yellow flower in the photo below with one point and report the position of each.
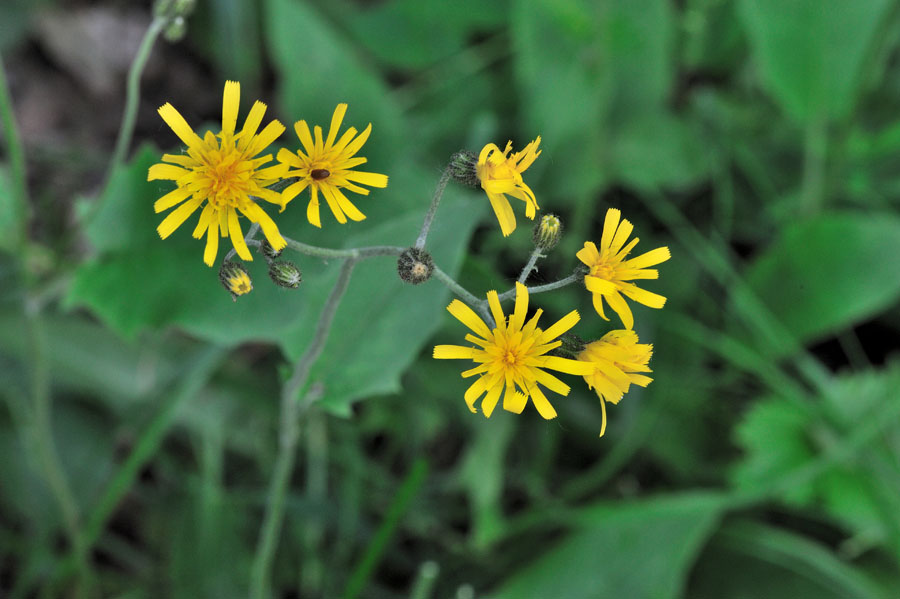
(610, 271)
(235, 279)
(500, 175)
(327, 167)
(512, 355)
(222, 171)
(616, 359)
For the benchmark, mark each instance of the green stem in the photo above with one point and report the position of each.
(53, 472)
(354, 253)
(19, 196)
(129, 116)
(529, 266)
(377, 545)
(291, 409)
(435, 201)
(576, 276)
(425, 580)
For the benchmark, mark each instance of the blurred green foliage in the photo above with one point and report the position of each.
(757, 139)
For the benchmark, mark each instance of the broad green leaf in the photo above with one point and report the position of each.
(318, 69)
(811, 53)
(830, 273)
(413, 34)
(598, 93)
(141, 282)
(747, 560)
(639, 550)
(228, 34)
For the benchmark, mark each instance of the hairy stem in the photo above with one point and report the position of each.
(435, 201)
(291, 409)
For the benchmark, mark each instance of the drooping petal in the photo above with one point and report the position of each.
(177, 217)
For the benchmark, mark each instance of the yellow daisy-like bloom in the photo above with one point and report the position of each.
(223, 171)
(326, 167)
(512, 356)
(610, 271)
(616, 358)
(500, 174)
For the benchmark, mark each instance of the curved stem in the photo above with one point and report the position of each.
(291, 409)
(529, 266)
(435, 201)
(572, 278)
(363, 252)
(132, 96)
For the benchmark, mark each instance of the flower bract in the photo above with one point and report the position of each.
(511, 359)
(223, 173)
(617, 360)
(610, 272)
(501, 174)
(326, 166)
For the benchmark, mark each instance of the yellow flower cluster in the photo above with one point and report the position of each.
(224, 173)
(512, 356)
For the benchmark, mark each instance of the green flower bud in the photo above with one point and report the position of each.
(268, 251)
(285, 274)
(163, 8)
(462, 168)
(176, 30)
(547, 232)
(415, 266)
(235, 279)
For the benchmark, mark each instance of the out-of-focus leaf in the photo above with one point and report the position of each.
(660, 151)
(9, 224)
(482, 476)
(830, 272)
(318, 69)
(413, 34)
(746, 560)
(810, 53)
(228, 34)
(142, 282)
(779, 437)
(638, 550)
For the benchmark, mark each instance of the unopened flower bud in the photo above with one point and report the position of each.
(235, 279)
(547, 232)
(184, 8)
(176, 30)
(462, 168)
(572, 345)
(285, 274)
(415, 266)
(268, 251)
(163, 8)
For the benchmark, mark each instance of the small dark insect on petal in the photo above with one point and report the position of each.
(319, 173)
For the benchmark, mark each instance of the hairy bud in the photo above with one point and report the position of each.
(285, 274)
(415, 266)
(235, 279)
(462, 168)
(547, 232)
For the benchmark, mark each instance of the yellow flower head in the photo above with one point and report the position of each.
(501, 174)
(235, 279)
(610, 271)
(326, 166)
(616, 359)
(223, 171)
(512, 355)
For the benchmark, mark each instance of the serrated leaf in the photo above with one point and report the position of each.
(811, 52)
(141, 282)
(639, 550)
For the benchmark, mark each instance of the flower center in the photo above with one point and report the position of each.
(319, 173)
(603, 270)
(226, 177)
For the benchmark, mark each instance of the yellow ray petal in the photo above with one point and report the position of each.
(212, 245)
(496, 310)
(620, 307)
(177, 123)
(252, 122)
(490, 400)
(176, 196)
(609, 227)
(237, 236)
(206, 216)
(302, 131)
(177, 217)
(231, 100)
(168, 172)
(567, 365)
(371, 179)
(544, 408)
(504, 213)
(468, 317)
(650, 258)
(517, 320)
(336, 120)
(453, 352)
(312, 209)
(559, 327)
(642, 296)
